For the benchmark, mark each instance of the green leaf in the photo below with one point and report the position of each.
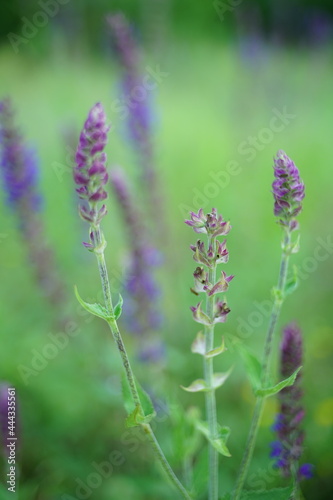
(220, 378)
(135, 415)
(95, 309)
(118, 308)
(217, 350)
(292, 283)
(218, 443)
(196, 386)
(199, 344)
(270, 391)
(252, 365)
(274, 494)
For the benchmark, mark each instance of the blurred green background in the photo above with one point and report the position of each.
(226, 78)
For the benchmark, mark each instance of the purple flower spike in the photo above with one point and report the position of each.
(142, 306)
(18, 163)
(90, 172)
(288, 190)
(289, 446)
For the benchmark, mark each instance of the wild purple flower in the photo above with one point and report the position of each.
(142, 304)
(136, 98)
(19, 166)
(289, 447)
(19, 169)
(288, 190)
(139, 112)
(90, 170)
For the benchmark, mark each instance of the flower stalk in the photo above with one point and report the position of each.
(216, 312)
(91, 176)
(210, 394)
(288, 192)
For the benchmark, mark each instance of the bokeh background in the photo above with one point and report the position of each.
(227, 71)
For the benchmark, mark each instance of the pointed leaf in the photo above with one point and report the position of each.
(252, 365)
(270, 391)
(95, 309)
(217, 350)
(219, 443)
(196, 386)
(199, 344)
(220, 378)
(118, 308)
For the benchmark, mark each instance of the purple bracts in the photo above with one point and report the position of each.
(18, 163)
(90, 170)
(287, 450)
(288, 188)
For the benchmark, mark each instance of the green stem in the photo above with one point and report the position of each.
(210, 394)
(99, 252)
(259, 406)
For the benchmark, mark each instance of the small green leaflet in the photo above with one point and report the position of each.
(135, 415)
(270, 391)
(200, 385)
(196, 386)
(199, 347)
(217, 350)
(219, 443)
(118, 308)
(95, 309)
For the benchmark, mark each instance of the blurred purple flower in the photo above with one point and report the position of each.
(19, 171)
(287, 450)
(136, 96)
(19, 166)
(142, 309)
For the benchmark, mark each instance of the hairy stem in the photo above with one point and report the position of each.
(99, 252)
(210, 394)
(259, 406)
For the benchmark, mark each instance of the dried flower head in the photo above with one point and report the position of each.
(288, 188)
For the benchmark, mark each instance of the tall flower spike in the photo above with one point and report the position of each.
(139, 120)
(142, 308)
(288, 189)
(90, 170)
(288, 448)
(19, 169)
(19, 165)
